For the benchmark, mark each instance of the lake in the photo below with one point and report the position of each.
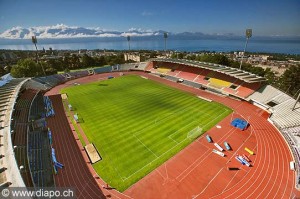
(271, 45)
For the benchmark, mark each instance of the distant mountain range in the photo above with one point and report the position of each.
(64, 31)
(61, 31)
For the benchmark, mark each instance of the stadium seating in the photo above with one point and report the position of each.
(218, 83)
(142, 66)
(284, 116)
(163, 70)
(268, 94)
(35, 154)
(200, 78)
(293, 130)
(30, 105)
(187, 75)
(210, 78)
(131, 66)
(35, 85)
(225, 77)
(150, 65)
(20, 127)
(229, 90)
(78, 74)
(127, 67)
(246, 89)
(37, 108)
(105, 69)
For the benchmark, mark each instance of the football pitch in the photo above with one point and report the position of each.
(137, 124)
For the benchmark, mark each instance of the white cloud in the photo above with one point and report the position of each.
(64, 31)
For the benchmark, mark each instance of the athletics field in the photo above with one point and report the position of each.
(136, 124)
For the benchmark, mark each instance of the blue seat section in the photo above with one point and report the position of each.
(37, 109)
(35, 154)
(51, 80)
(106, 69)
(78, 74)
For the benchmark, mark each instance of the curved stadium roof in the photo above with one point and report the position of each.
(233, 72)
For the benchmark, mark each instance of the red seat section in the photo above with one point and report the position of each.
(190, 73)
(200, 78)
(247, 89)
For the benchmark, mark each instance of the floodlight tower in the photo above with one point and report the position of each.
(128, 39)
(165, 37)
(248, 35)
(34, 41)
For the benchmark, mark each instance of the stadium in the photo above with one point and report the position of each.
(151, 130)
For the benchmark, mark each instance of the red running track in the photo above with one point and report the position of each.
(196, 172)
(75, 173)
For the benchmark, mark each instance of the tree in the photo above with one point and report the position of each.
(66, 61)
(74, 62)
(26, 68)
(270, 76)
(290, 81)
(100, 61)
(56, 64)
(2, 71)
(217, 59)
(49, 70)
(153, 54)
(87, 61)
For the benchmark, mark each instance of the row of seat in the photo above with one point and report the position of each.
(37, 109)
(35, 159)
(51, 80)
(38, 178)
(292, 130)
(214, 79)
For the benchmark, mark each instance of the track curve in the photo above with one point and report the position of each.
(180, 176)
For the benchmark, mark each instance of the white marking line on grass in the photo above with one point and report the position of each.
(208, 118)
(116, 170)
(145, 145)
(171, 148)
(172, 138)
(166, 116)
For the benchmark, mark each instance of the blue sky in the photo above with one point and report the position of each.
(268, 17)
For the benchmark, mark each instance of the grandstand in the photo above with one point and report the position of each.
(10, 174)
(279, 104)
(224, 79)
(30, 165)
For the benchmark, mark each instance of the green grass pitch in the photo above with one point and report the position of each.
(137, 124)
